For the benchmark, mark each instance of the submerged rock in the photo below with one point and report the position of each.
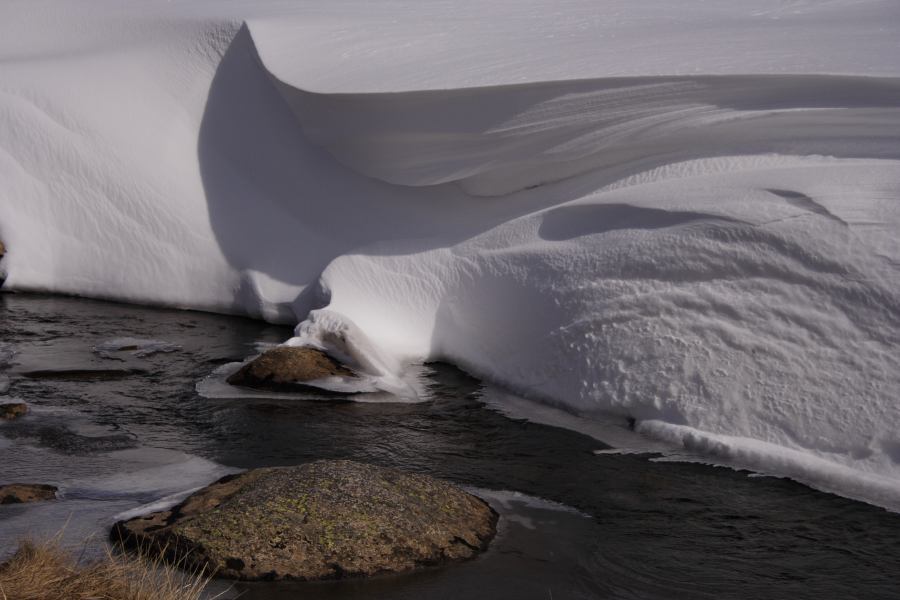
(287, 368)
(12, 410)
(84, 374)
(18, 493)
(321, 520)
(59, 437)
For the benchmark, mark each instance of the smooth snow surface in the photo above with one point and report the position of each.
(683, 212)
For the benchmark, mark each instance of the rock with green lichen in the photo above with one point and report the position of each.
(322, 520)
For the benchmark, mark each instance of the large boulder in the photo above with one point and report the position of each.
(12, 410)
(321, 520)
(286, 368)
(18, 493)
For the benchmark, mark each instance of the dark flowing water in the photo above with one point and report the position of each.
(116, 431)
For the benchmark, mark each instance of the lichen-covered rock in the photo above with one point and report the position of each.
(12, 410)
(287, 368)
(18, 493)
(321, 520)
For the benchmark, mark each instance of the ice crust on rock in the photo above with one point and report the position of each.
(686, 213)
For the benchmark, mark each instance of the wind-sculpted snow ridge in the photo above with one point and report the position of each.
(685, 216)
(498, 140)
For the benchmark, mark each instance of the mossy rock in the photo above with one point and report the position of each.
(288, 368)
(321, 520)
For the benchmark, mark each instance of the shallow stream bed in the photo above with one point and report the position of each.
(120, 425)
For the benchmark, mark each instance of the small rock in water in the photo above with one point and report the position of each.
(321, 520)
(287, 368)
(12, 410)
(18, 493)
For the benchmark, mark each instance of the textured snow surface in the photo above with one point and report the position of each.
(683, 212)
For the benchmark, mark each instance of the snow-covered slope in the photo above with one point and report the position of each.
(684, 212)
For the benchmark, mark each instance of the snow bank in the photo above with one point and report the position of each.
(687, 215)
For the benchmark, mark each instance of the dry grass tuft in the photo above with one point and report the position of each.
(46, 571)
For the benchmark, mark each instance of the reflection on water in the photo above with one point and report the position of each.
(655, 530)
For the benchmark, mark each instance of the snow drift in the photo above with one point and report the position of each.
(688, 215)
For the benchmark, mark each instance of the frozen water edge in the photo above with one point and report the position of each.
(684, 444)
(773, 460)
(608, 429)
(92, 494)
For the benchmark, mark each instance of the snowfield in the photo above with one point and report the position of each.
(683, 212)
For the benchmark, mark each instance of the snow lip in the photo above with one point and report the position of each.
(773, 460)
